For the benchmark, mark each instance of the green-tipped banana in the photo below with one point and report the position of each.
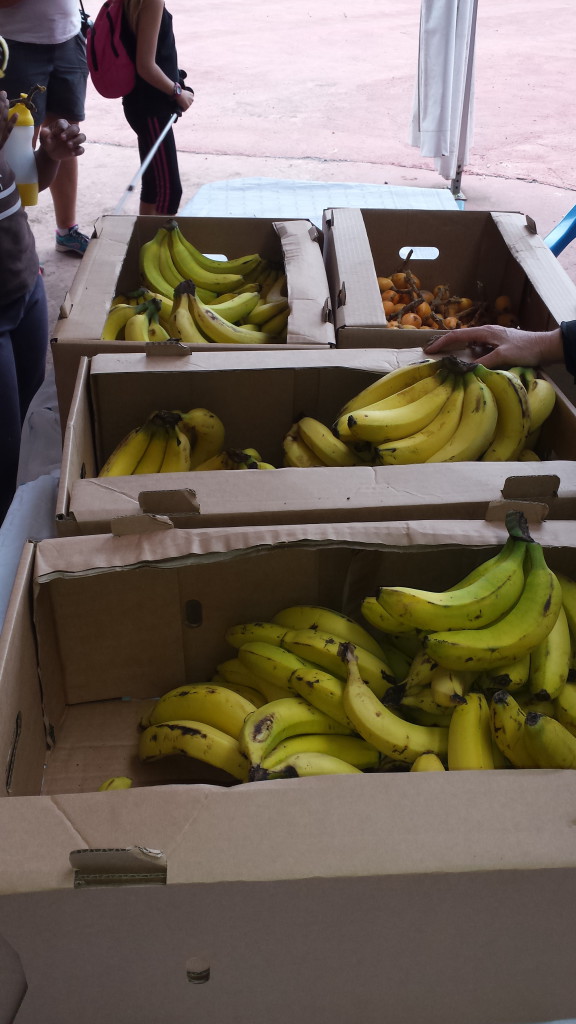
(518, 632)
(194, 739)
(201, 702)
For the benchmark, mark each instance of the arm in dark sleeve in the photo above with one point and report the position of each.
(568, 329)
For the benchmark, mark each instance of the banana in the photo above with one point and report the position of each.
(269, 725)
(254, 696)
(321, 689)
(376, 615)
(513, 416)
(189, 269)
(276, 327)
(352, 749)
(569, 601)
(512, 676)
(518, 632)
(168, 268)
(549, 742)
(270, 662)
(217, 462)
(477, 424)
(534, 702)
(279, 289)
(469, 735)
(238, 306)
(565, 707)
(382, 728)
(541, 401)
(149, 264)
(422, 699)
(379, 426)
(308, 763)
(550, 660)
(137, 327)
(390, 384)
(177, 455)
(181, 322)
(235, 672)
(450, 688)
(471, 607)
(144, 295)
(507, 721)
(117, 318)
(246, 632)
(419, 675)
(263, 311)
(203, 702)
(153, 457)
(419, 447)
(296, 453)
(306, 616)
(127, 455)
(207, 434)
(116, 782)
(427, 763)
(240, 265)
(328, 652)
(215, 327)
(156, 332)
(194, 739)
(408, 395)
(322, 442)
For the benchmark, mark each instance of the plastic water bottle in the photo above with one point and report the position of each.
(19, 153)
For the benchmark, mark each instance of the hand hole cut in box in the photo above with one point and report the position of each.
(198, 969)
(419, 252)
(193, 614)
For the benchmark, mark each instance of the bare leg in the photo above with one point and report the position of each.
(148, 209)
(64, 190)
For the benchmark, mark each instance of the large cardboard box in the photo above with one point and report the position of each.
(111, 267)
(331, 897)
(259, 396)
(497, 251)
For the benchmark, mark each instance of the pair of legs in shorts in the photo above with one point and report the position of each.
(62, 69)
(23, 347)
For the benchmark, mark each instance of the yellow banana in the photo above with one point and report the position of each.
(378, 617)
(206, 432)
(379, 426)
(322, 442)
(549, 742)
(137, 327)
(168, 268)
(471, 607)
(153, 457)
(512, 676)
(190, 269)
(269, 725)
(307, 616)
(507, 721)
(477, 424)
(254, 696)
(237, 306)
(116, 782)
(296, 453)
(117, 318)
(527, 455)
(321, 689)
(419, 447)
(177, 455)
(127, 455)
(263, 311)
(276, 327)
(469, 735)
(202, 702)
(427, 763)
(197, 740)
(541, 401)
(149, 263)
(565, 707)
(381, 727)
(518, 632)
(270, 662)
(391, 384)
(513, 416)
(408, 395)
(215, 327)
(450, 688)
(550, 660)
(327, 651)
(239, 265)
(352, 749)
(306, 764)
(569, 601)
(246, 632)
(234, 672)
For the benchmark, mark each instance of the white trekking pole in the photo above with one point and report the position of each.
(144, 164)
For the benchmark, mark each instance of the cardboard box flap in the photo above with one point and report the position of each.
(360, 294)
(542, 268)
(170, 502)
(306, 282)
(133, 866)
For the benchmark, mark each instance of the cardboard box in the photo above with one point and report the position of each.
(500, 250)
(333, 895)
(258, 396)
(111, 267)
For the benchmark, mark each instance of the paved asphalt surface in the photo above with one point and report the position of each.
(323, 91)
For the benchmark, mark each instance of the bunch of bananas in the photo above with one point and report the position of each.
(443, 410)
(489, 662)
(197, 299)
(409, 306)
(174, 441)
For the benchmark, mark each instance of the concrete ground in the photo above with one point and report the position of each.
(323, 91)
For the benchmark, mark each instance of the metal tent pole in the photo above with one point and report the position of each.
(455, 184)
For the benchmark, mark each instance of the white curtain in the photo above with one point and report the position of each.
(442, 113)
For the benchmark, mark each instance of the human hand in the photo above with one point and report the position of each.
(61, 140)
(7, 120)
(497, 347)
(186, 99)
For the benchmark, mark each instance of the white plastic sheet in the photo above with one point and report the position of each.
(442, 116)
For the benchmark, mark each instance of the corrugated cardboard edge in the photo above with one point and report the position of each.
(541, 267)
(310, 320)
(347, 238)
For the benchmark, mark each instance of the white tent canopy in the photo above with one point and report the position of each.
(442, 116)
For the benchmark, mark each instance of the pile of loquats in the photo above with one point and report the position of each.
(408, 306)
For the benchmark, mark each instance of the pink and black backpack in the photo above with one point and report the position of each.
(108, 52)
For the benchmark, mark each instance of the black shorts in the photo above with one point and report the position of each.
(60, 67)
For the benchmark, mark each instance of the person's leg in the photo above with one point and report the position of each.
(30, 344)
(161, 189)
(10, 419)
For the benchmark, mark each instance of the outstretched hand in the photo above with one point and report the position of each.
(61, 140)
(498, 347)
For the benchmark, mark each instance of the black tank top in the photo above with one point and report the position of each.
(145, 97)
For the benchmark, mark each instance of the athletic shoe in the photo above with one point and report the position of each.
(73, 241)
